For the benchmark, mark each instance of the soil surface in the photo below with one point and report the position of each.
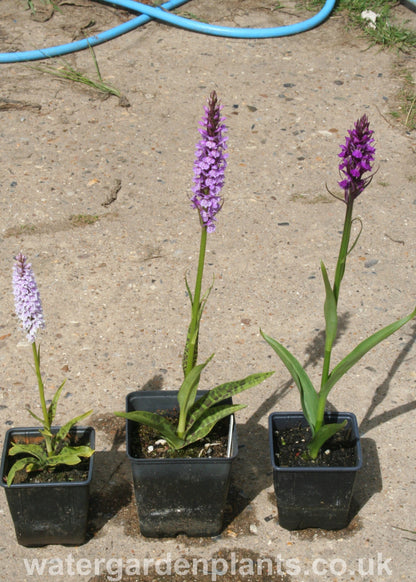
(149, 444)
(291, 449)
(95, 191)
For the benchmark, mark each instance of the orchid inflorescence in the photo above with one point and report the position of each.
(210, 163)
(27, 298)
(55, 449)
(198, 416)
(357, 156)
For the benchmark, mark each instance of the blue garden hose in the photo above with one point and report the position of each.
(161, 14)
(411, 4)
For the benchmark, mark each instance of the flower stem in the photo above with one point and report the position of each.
(343, 251)
(46, 423)
(196, 303)
(339, 274)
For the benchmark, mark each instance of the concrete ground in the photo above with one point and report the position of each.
(96, 194)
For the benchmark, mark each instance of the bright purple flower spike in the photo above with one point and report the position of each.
(357, 155)
(210, 163)
(27, 298)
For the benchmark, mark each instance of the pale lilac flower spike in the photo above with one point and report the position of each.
(27, 298)
(210, 163)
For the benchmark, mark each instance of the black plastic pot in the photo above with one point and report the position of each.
(317, 497)
(48, 513)
(178, 496)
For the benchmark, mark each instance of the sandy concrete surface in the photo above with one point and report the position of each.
(96, 194)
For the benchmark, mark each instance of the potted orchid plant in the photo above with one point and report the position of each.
(45, 471)
(314, 479)
(182, 483)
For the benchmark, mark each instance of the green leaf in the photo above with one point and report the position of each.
(70, 456)
(330, 311)
(36, 451)
(322, 435)
(362, 348)
(187, 392)
(54, 403)
(36, 417)
(191, 298)
(209, 419)
(157, 422)
(191, 340)
(64, 430)
(46, 432)
(308, 395)
(17, 466)
(220, 393)
(192, 336)
(83, 451)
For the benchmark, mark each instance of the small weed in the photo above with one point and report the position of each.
(69, 73)
(386, 33)
(318, 199)
(31, 5)
(83, 219)
(191, 16)
(74, 221)
(405, 102)
(26, 228)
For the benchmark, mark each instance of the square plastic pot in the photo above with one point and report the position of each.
(48, 513)
(178, 496)
(318, 497)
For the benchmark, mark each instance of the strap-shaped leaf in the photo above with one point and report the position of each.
(54, 404)
(46, 432)
(308, 395)
(35, 416)
(157, 422)
(209, 419)
(220, 393)
(64, 430)
(330, 311)
(362, 348)
(191, 343)
(187, 392)
(322, 435)
(192, 337)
